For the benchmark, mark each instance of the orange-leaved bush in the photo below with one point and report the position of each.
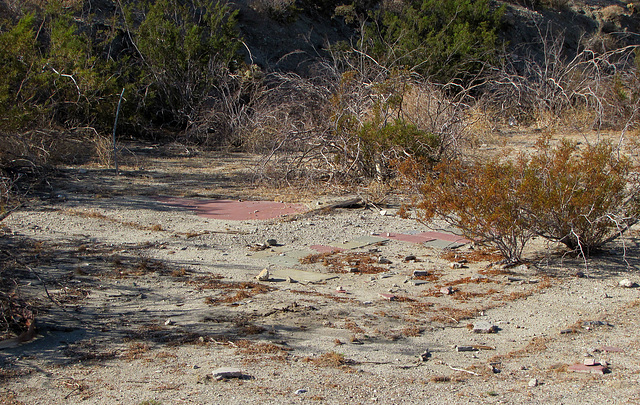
(479, 198)
(581, 196)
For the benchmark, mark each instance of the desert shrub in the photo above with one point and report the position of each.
(185, 50)
(48, 72)
(581, 197)
(481, 199)
(590, 89)
(443, 40)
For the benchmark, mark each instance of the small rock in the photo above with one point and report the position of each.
(456, 265)
(340, 289)
(446, 290)
(169, 322)
(195, 366)
(424, 356)
(626, 283)
(264, 275)
(300, 391)
(484, 327)
(420, 273)
(589, 362)
(383, 212)
(227, 372)
(580, 274)
(533, 382)
(384, 260)
(466, 349)
(410, 258)
(388, 297)
(271, 242)
(290, 280)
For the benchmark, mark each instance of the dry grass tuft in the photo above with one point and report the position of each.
(473, 256)
(343, 262)
(249, 347)
(330, 359)
(136, 351)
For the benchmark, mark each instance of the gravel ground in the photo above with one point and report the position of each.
(148, 300)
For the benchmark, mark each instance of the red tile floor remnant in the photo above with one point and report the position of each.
(610, 349)
(581, 368)
(425, 237)
(326, 249)
(235, 209)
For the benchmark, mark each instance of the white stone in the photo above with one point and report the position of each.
(264, 275)
(227, 372)
(626, 283)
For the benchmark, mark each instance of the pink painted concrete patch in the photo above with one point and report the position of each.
(425, 237)
(326, 249)
(581, 368)
(235, 209)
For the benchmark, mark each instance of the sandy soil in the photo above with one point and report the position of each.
(147, 300)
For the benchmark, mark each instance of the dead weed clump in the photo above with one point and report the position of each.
(136, 350)
(351, 262)
(331, 359)
(473, 256)
(230, 291)
(252, 348)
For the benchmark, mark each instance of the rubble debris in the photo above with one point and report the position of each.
(484, 327)
(466, 349)
(224, 373)
(447, 290)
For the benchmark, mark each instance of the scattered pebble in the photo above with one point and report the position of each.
(384, 260)
(264, 275)
(446, 290)
(271, 242)
(300, 391)
(533, 382)
(169, 321)
(410, 258)
(388, 297)
(456, 265)
(420, 273)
